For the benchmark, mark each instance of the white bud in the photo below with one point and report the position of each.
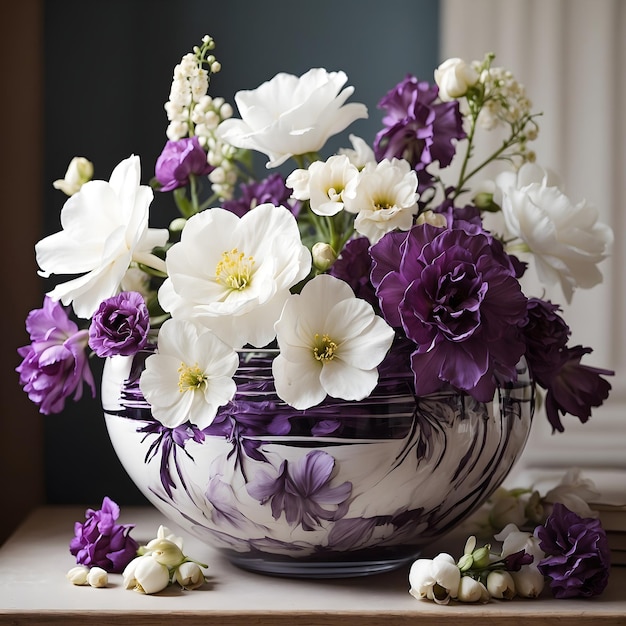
(165, 552)
(501, 585)
(78, 575)
(323, 255)
(189, 575)
(97, 577)
(471, 590)
(79, 171)
(454, 77)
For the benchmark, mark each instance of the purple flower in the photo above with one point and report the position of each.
(55, 364)
(455, 294)
(272, 189)
(354, 266)
(302, 491)
(577, 554)
(575, 388)
(100, 542)
(178, 161)
(120, 325)
(546, 335)
(418, 127)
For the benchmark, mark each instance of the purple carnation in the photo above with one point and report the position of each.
(178, 161)
(577, 554)
(100, 542)
(546, 335)
(575, 388)
(120, 325)
(455, 294)
(55, 365)
(272, 189)
(418, 127)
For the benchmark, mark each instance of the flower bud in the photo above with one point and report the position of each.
(189, 575)
(79, 171)
(529, 581)
(481, 556)
(165, 552)
(78, 575)
(471, 590)
(454, 77)
(466, 562)
(323, 256)
(98, 577)
(501, 585)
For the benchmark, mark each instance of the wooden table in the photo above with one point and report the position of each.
(34, 590)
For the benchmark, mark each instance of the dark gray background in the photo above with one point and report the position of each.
(108, 69)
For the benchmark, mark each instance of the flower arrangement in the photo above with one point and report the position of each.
(352, 257)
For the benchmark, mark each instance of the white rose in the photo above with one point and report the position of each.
(567, 240)
(290, 115)
(454, 77)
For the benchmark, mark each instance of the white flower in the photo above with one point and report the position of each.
(233, 274)
(454, 77)
(105, 227)
(500, 584)
(190, 376)
(330, 343)
(436, 579)
(361, 154)
(529, 581)
(79, 171)
(163, 532)
(189, 575)
(145, 575)
(566, 239)
(78, 575)
(165, 552)
(385, 198)
(325, 184)
(471, 590)
(97, 577)
(575, 492)
(290, 115)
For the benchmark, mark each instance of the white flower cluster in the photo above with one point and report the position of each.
(82, 575)
(480, 575)
(191, 111)
(505, 97)
(161, 563)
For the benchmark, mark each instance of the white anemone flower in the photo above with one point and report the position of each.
(324, 185)
(385, 198)
(567, 240)
(290, 115)
(189, 377)
(233, 274)
(330, 342)
(105, 228)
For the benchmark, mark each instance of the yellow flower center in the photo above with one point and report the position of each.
(381, 204)
(190, 378)
(324, 348)
(234, 269)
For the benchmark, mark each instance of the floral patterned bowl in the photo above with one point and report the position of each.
(342, 489)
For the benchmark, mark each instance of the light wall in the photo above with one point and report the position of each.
(570, 55)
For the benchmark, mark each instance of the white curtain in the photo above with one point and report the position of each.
(570, 55)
